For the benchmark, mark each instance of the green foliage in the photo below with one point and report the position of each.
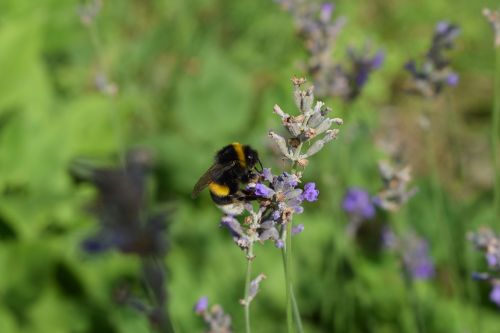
(192, 77)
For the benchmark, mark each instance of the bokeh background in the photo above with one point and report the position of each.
(192, 76)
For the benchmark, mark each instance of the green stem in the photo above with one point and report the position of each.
(97, 45)
(247, 288)
(454, 135)
(296, 312)
(288, 277)
(495, 130)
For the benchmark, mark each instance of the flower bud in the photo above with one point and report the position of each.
(280, 141)
(326, 124)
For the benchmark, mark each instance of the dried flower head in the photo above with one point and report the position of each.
(395, 190)
(311, 125)
(493, 16)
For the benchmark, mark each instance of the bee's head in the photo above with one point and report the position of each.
(252, 158)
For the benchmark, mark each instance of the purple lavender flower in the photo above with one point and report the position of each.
(389, 240)
(267, 175)
(326, 11)
(377, 60)
(262, 190)
(297, 229)
(289, 198)
(492, 259)
(416, 258)
(452, 79)
(358, 202)
(441, 27)
(202, 305)
(310, 192)
(236, 230)
(414, 251)
(495, 294)
(298, 209)
(280, 244)
(433, 72)
(362, 66)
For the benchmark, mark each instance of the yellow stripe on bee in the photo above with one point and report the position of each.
(218, 189)
(241, 154)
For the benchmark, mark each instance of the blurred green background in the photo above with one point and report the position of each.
(193, 76)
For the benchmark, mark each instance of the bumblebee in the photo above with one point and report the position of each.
(232, 167)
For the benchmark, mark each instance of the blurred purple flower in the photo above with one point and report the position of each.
(416, 258)
(362, 66)
(310, 192)
(326, 11)
(495, 294)
(433, 72)
(357, 202)
(297, 229)
(378, 60)
(202, 305)
(389, 240)
(452, 79)
(491, 259)
(280, 244)
(441, 27)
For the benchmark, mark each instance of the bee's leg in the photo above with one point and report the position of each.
(246, 195)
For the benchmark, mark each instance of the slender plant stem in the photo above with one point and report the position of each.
(495, 131)
(288, 277)
(97, 45)
(247, 287)
(296, 312)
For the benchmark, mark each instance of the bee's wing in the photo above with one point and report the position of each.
(214, 172)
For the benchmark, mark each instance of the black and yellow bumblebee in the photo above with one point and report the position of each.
(232, 167)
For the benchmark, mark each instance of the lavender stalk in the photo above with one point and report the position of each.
(494, 18)
(247, 288)
(311, 123)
